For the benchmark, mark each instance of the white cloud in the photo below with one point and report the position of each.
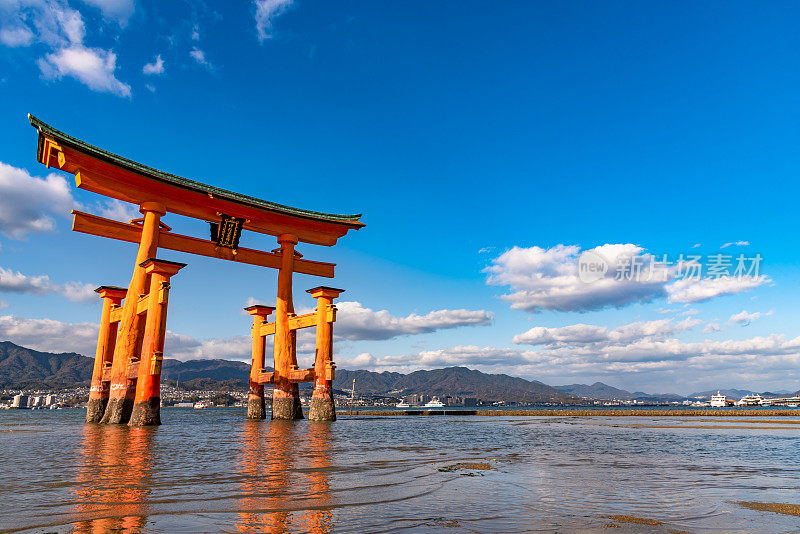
(712, 327)
(736, 244)
(55, 336)
(698, 290)
(62, 29)
(378, 325)
(548, 279)
(199, 56)
(156, 67)
(16, 36)
(118, 10)
(355, 322)
(431, 359)
(92, 66)
(27, 202)
(583, 334)
(118, 210)
(266, 12)
(50, 335)
(557, 278)
(744, 318)
(184, 348)
(16, 282)
(79, 291)
(195, 33)
(665, 365)
(51, 22)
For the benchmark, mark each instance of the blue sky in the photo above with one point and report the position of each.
(467, 133)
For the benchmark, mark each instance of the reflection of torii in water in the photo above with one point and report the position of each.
(283, 488)
(126, 379)
(114, 471)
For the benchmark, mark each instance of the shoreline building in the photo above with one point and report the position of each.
(20, 401)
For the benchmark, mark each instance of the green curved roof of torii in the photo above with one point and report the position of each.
(99, 153)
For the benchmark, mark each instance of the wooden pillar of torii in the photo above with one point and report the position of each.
(286, 376)
(126, 374)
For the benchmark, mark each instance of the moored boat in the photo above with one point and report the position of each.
(751, 400)
(719, 400)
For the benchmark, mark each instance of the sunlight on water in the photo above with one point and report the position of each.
(213, 471)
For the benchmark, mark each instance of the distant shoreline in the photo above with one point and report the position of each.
(582, 413)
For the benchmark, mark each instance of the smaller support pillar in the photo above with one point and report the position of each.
(285, 395)
(103, 356)
(147, 402)
(256, 408)
(322, 405)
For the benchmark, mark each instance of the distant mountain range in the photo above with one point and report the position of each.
(21, 367)
(600, 391)
(452, 381)
(26, 368)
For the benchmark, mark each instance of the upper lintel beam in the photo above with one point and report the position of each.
(100, 226)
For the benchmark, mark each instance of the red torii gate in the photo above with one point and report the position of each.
(126, 378)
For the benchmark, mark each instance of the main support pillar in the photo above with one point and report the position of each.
(123, 389)
(285, 395)
(147, 402)
(103, 356)
(322, 406)
(256, 408)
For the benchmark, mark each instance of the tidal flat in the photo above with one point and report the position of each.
(213, 471)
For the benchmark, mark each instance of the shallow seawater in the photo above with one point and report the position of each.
(213, 471)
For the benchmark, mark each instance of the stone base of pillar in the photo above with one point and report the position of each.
(256, 409)
(286, 408)
(147, 413)
(322, 409)
(118, 411)
(95, 410)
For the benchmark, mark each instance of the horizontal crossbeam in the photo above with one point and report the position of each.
(100, 226)
(296, 376)
(298, 322)
(133, 371)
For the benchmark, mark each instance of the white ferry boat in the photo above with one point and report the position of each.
(203, 404)
(402, 404)
(435, 403)
(750, 400)
(719, 400)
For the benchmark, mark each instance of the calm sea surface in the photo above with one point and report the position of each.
(213, 471)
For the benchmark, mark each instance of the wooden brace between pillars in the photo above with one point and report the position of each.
(261, 328)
